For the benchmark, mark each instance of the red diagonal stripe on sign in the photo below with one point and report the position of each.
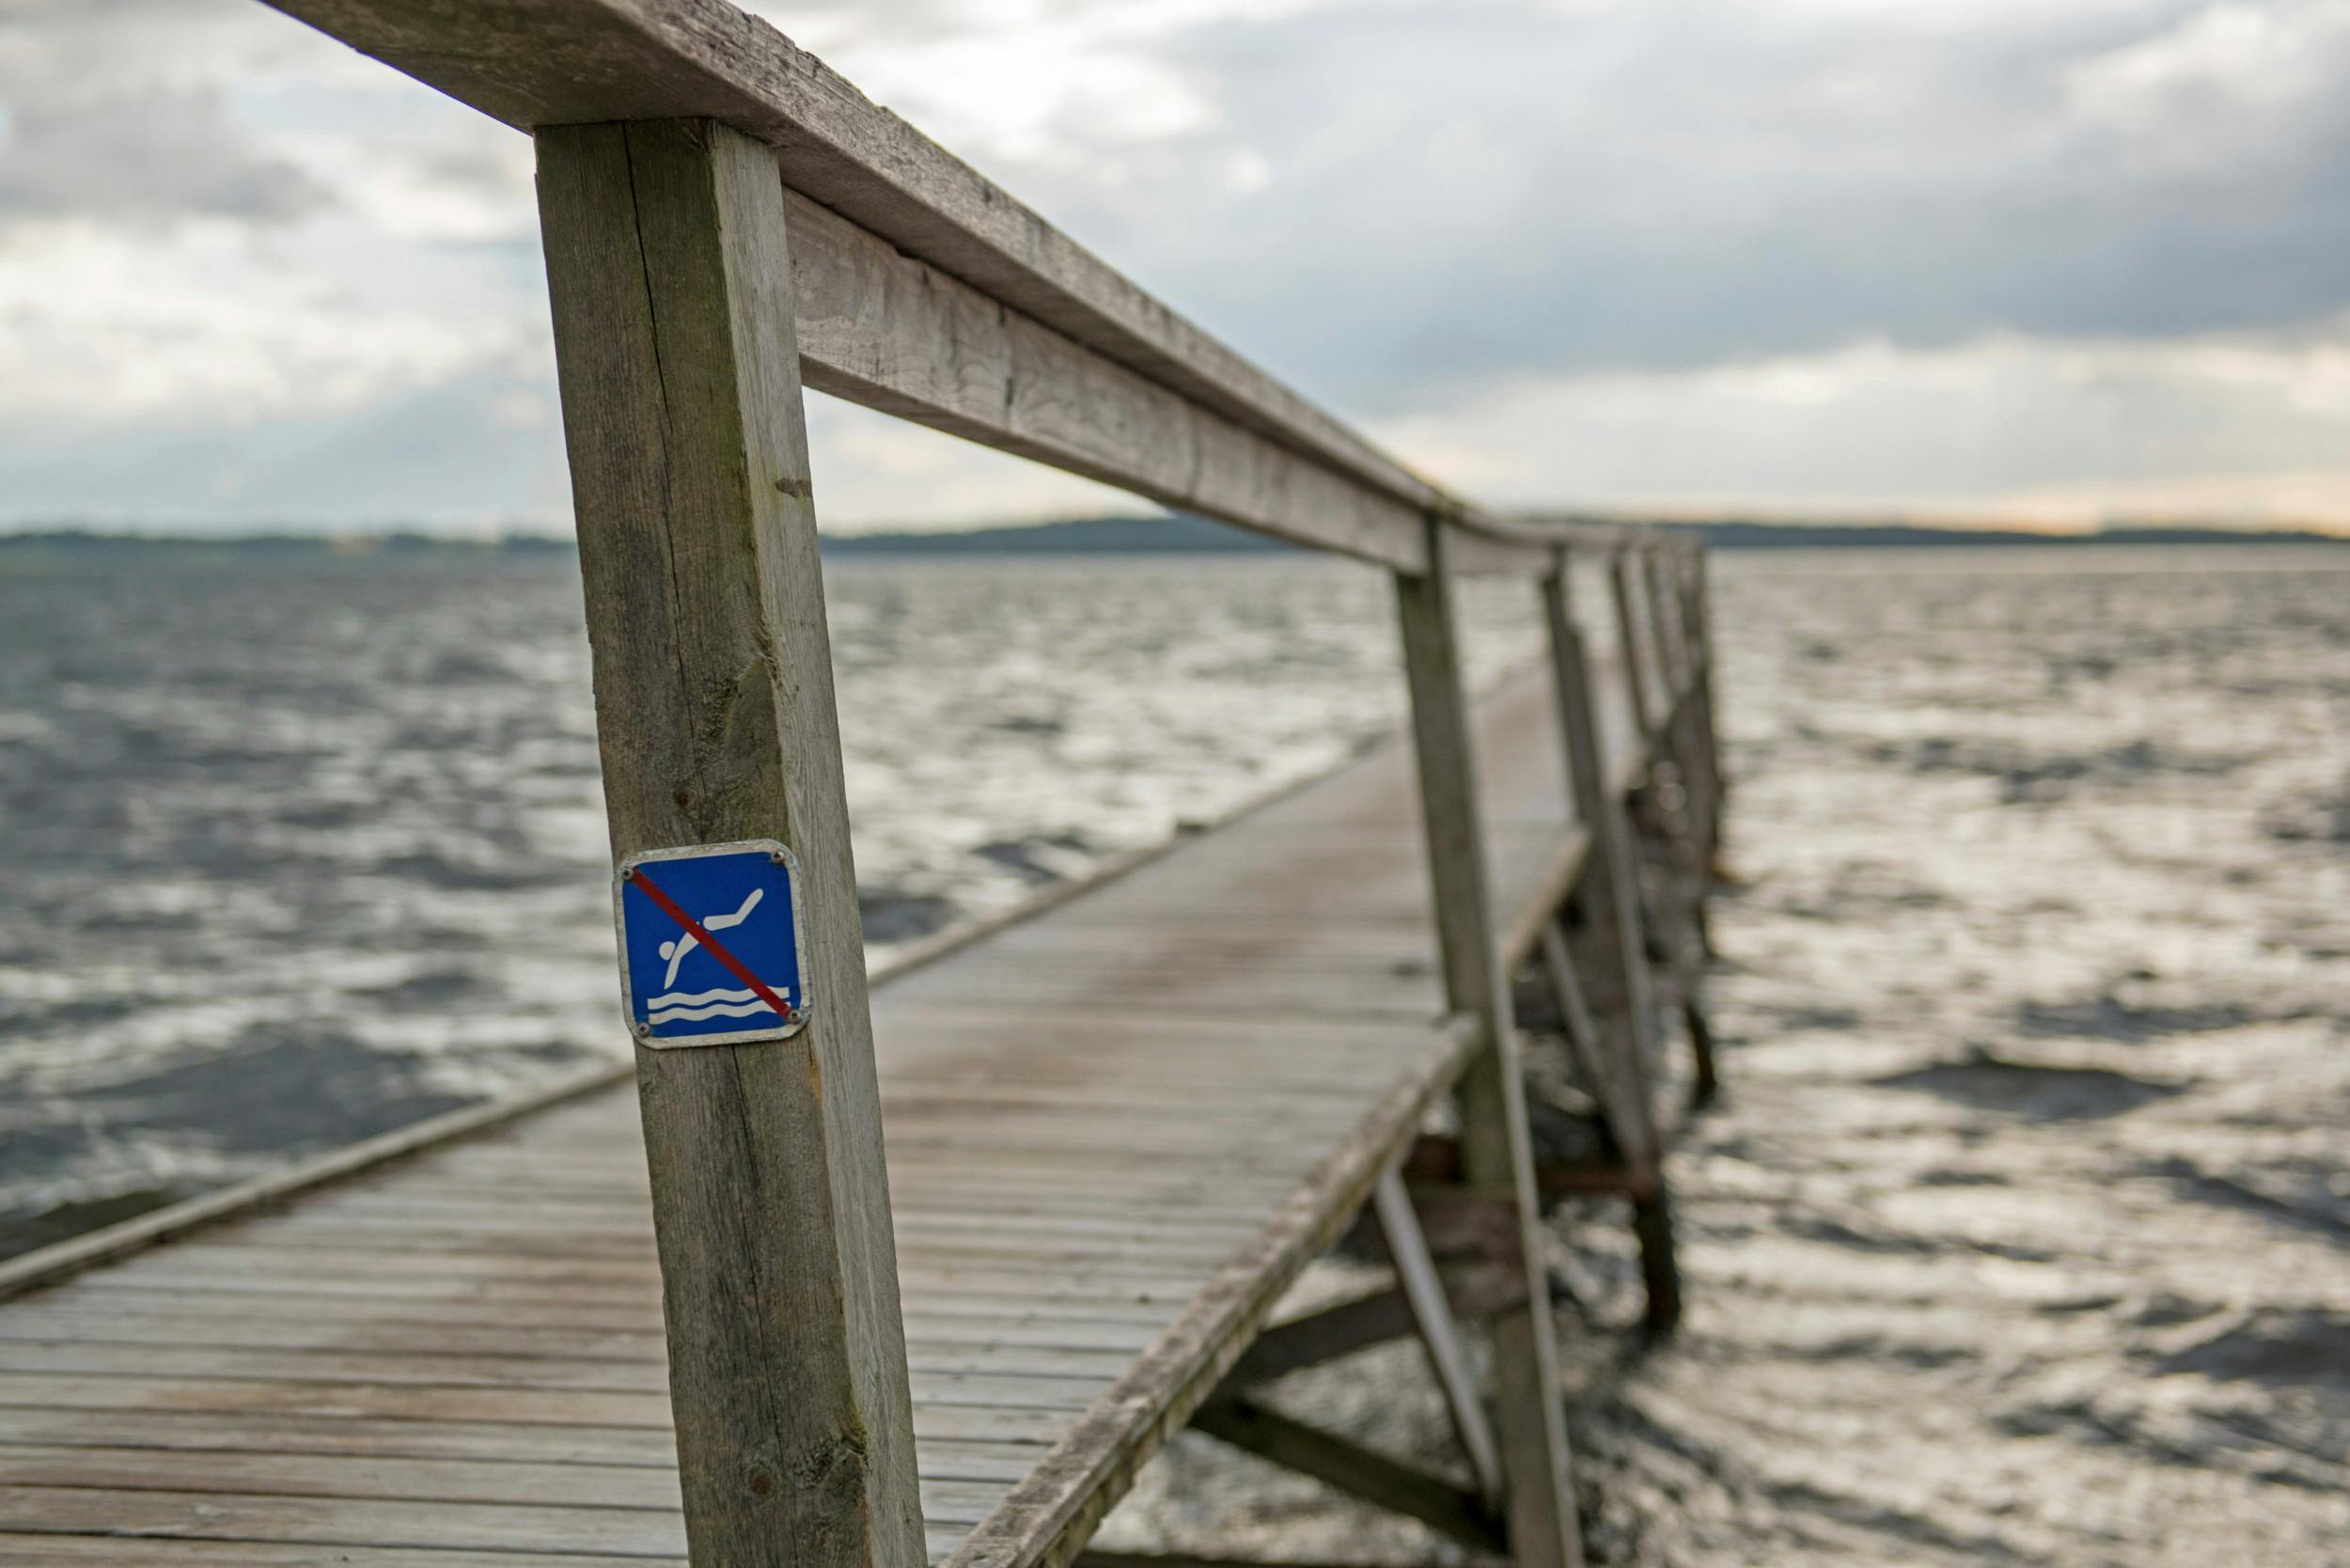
(734, 965)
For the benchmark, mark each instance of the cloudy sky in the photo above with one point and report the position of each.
(2010, 259)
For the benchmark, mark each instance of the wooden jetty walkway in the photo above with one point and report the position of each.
(933, 1279)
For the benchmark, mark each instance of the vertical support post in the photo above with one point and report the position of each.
(1690, 678)
(1703, 776)
(1663, 627)
(1629, 643)
(1699, 619)
(1612, 943)
(1496, 1149)
(1683, 806)
(1631, 650)
(678, 364)
(1681, 810)
(1668, 610)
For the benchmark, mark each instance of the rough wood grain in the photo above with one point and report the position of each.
(550, 62)
(53, 1264)
(669, 269)
(555, 62)
(882, 328)
(1039, 1387)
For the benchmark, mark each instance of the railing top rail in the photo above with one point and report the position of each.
(532, 63)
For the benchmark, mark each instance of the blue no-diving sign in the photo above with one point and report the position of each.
(709, 943)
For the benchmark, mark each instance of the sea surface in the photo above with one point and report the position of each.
(302, 849)
(2022, 1234)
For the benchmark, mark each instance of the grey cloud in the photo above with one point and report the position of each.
(1466, 198)
(165, 153)
(115, 110)
(444, 455)
(1464, 191)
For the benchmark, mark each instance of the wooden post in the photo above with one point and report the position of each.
(1682, 810)
(1432, 1314)
(1673, 605)
(678, 366)
(1496, 1150)
(1699, 619)
(1676, 723)
(1611, 942)
(1629, 643)
(1670, 598)
(1655, 603)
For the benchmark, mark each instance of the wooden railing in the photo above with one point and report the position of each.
(726, 222)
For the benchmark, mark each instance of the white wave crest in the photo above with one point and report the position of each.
(695, 999)
(715, 1010)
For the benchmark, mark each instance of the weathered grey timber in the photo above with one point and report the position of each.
(891, 190)
(1609, 893)
(1432, 1316)
(1496, 1149)
(884, 329)
(709, 1321)
(1635, 652)
(1612, 945)
(1674, 811)
(1350, 1466)
(669, 274)
(459, 1358)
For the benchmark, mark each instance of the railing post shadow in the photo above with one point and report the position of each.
(1496, 1147)
(678, 364)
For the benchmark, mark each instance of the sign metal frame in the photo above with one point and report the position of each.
(792, 1022)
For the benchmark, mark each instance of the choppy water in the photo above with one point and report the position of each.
(2024, 1234)
(296, 851)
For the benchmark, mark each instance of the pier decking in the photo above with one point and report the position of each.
(934, 1275)
(1116, 1130)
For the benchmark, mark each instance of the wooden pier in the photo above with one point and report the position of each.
(934, 1278)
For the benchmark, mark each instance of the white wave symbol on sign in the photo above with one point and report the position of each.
(682, 1006)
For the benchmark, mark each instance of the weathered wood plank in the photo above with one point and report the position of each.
(553, 62)
(124, 1551)
(572, 1409)
(51, 1263)
(1495, 1144)
(1477, 1291)
(1635, 658)
(882, 328)
(1432, 1314)
(669, 270)
(1040, 1385)
(1049, 1516)
(488, 1448)
(1265, 1432)
(1612, 953)
(345, 1521)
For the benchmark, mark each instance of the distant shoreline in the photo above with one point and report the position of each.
(1097, 536)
